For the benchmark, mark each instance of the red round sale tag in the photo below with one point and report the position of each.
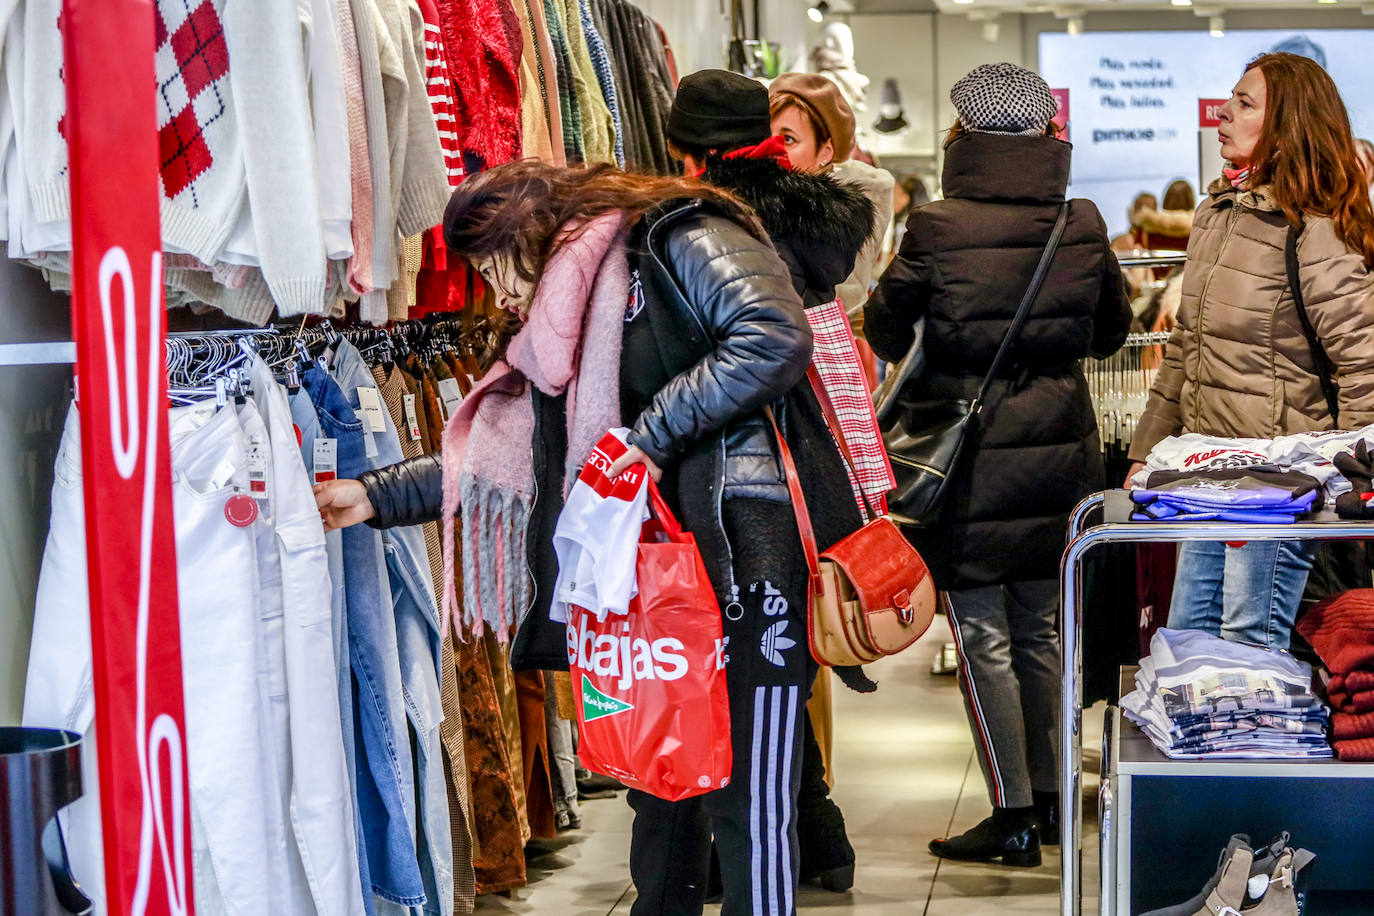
(240, 510)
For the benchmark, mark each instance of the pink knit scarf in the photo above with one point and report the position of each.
(570, 343)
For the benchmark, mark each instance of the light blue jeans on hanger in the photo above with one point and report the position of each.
(1245, 594)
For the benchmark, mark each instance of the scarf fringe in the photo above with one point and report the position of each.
(496, 583)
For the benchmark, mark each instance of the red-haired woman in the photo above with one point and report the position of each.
(1239, 363)
(656, 304)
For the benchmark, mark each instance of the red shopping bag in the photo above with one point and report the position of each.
(652, 710)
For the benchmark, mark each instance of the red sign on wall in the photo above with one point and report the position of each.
(117, 304)
(1208, 112)
(1061, 99)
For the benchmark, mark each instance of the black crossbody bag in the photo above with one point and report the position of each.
(925, 452)
(1337, 566)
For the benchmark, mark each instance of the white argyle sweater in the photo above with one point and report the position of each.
(234, 121)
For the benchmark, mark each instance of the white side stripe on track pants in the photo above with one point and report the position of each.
(770, 799)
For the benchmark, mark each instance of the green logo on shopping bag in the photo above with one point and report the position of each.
(596, 705)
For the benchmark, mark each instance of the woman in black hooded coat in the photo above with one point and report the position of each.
(964, 266)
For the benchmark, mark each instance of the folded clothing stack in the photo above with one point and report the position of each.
(1341, 630)
(1201, 696)
(1258, 481)
(1257, 496)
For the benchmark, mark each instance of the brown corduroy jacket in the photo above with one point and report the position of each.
(1238, 364)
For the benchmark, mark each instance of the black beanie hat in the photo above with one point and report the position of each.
(720, 110)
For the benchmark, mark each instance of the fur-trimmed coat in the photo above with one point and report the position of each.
(817, 224)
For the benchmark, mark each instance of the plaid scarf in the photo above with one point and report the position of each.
(836, 359)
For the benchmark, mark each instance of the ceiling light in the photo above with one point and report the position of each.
(963, 2)
(816, 13)
(1181, 2)
(1328, 1)
(1217, 26)
(1075, 25)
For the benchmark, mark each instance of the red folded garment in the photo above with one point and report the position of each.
(1341, 695)
(1341, 629)
(1358, 749)
(1361, 681)
(1346, 727)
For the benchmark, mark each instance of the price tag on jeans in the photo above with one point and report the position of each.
(326, 460)
(370, 403)
(257, 467)
(450, 394)
(412, 421)
(257, 472)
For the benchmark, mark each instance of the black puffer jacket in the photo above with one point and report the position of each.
(964, 264)
(817, 224)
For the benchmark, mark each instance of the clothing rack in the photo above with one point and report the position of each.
(274, 342)
(1120, 387)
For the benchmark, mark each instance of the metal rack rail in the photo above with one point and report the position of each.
(1154, 259)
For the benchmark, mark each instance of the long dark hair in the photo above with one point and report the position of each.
(526, 209)
(1306, 150)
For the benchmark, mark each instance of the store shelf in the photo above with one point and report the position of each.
(1152, 805)
(1138, 757)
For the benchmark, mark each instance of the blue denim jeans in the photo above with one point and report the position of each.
(307, 421)
(382, 758)
(416, 618)
(1245, 594)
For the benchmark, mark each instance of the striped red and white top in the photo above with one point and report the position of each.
(440, 89)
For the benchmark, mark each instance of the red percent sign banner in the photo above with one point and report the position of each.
(112, 136)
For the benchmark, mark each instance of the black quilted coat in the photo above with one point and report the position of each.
(964, 264)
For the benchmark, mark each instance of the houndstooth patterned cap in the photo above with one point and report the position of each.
(1004, 99)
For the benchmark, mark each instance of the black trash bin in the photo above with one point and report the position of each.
(40, 773)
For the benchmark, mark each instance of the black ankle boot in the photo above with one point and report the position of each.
(1010, 835)
(827, 858)
(1047, 817)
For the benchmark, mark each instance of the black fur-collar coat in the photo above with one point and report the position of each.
(817, 224)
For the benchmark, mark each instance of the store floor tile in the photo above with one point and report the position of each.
(905, 773)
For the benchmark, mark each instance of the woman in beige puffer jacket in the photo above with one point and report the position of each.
(1238, 363)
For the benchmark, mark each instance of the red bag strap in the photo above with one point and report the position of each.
(794, 489)
(671, 526)
(832, 420)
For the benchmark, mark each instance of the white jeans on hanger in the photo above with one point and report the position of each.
(319, 799)
(217, 589)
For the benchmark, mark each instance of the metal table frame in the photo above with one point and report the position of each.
(1081, 540)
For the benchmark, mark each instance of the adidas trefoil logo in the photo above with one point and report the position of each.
(774, 643)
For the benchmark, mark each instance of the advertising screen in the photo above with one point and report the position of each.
(1135, 112)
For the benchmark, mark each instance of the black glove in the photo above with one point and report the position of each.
(1358, 468)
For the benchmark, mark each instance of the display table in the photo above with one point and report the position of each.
(1336, 796)
(1164, 821)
